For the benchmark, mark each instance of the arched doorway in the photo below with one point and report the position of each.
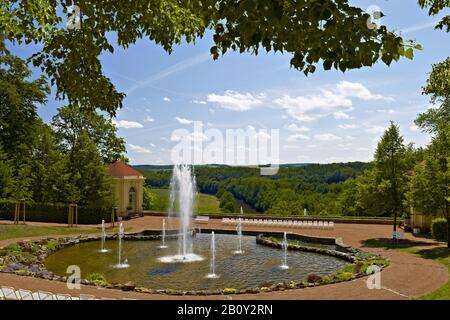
(132, 200)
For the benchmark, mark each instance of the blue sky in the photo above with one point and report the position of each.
(329, 116)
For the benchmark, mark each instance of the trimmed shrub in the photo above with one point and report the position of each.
(439, 229)
(57, 213)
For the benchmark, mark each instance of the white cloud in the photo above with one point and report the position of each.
(357, 90)
(335, 101)
(297, 137)
(198, 136)
(149, 119)
(138, 149)
(340, 115)
(199, 101)
(347, 126)
(349, 138)
(327, 137)
(294, 128)
(127, 124)
(313, 107)
(166, 99)
(373, 129)
(346, 145)
(235, 101)
(193, 136)
(389, 111)
(183, 120)
(414, 128)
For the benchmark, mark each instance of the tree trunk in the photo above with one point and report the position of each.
(395, 221)
(448, 225)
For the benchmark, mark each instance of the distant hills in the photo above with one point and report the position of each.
(212, 165)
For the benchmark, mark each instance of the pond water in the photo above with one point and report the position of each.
(257, 266)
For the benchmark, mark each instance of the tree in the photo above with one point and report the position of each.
(369, 196)
(48, 167)
(287, 208)
(88, 177)
(436, 121)
(427, 189)
(71, 122)
(390, 168)
(149, 199)
(18, 99)
(22, 181)
(330, 32)
(438, 82)
(227, 202)
(6, 174)
(347, 199)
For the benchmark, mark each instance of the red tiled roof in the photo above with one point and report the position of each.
(120, 169)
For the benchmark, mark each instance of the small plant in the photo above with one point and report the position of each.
(229, 290)
(13, 247)
(348, 268)
(51, 244)
(96, 278)
(344, 276)
(377, 262)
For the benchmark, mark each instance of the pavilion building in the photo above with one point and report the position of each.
(128, 185)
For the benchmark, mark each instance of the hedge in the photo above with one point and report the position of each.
(57, 213)
(439, 229)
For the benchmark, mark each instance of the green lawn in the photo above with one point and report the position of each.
(440, 255)
(205, 203)
(23, 231)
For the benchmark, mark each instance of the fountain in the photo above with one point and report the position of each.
(182, 188)
(103, 247)
(125, 264)
(212, 269)
(284, 246)
(163, 244)
(239, 235)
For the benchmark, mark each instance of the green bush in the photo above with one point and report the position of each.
(439, 229)
(97, 278)
(229, 291)
(344, 276)
(57, 213)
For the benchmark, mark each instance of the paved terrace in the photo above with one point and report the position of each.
(407, 277)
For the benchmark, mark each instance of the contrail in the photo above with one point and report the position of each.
(418, 27)
(180, 66)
